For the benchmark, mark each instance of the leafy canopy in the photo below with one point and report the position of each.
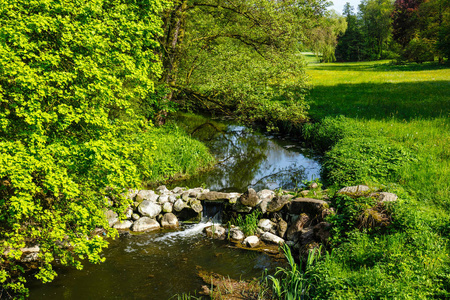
(70, 73)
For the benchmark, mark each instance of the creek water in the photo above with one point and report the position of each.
(159, 265)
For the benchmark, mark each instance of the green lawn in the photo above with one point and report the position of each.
(395, 134)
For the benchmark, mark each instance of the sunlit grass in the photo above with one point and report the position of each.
(407, 107)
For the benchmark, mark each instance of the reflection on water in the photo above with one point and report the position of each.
(248, 158)
(154, 266)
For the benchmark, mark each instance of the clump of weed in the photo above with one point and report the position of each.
(249, 224)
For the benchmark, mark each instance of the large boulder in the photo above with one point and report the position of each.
(312, 207)
(250, 198)
(271, 238)
(149, 209)
(214, 196)
(123, 225)
(385, 197)
(145, 224)
(251, 241)
(169, 220)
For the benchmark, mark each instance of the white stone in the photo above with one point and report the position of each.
(179, 205)
(266, 225)
(149, 209)
(144, 224)
(163, 199)
(271, 238)
(122, 225)
(251, 241)
(237, 234)
(167, 207)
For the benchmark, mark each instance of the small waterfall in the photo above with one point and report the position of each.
(212, 212)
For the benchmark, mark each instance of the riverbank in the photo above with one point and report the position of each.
(381, 124)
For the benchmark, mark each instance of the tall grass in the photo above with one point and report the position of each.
(386, 126)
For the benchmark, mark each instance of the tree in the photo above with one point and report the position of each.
(350, 44)
(405, 20)
(235, 56)
(376, 22)
(323, 38)
(70, 73)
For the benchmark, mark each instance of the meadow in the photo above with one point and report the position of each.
(387, 126)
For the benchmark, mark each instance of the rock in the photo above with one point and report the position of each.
(240, 208)
(196, 205)
(281, 227)
(354, 190)
(172, 198)
(266, 195)
(251, 241)
(129, 213)
(263, 205)
(122, 225)
(145, 224)
(149, 209)
(215, 232)
(185, 196)
(313, 185)
(385, 197)
(163, 199)
(312, 207)
(30, 257)
(167, 207)
(169, 220)
(278, 203)
(111, 216)
(237, 234)
(194, 193)
(322, 232)
(250, 198)
(304, 193)
(306, 236)
(294, 230)
(162, 190)
(179, 205)
(135, 217)
(131, 194)
(234, 198)
(146, 195)
(32, 249)
(214, 196)
(266, 225)
(178, 190)
(271, 238)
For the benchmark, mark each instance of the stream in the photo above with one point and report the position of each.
(159, 265)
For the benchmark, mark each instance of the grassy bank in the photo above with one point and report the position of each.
(386, 126)
(169, 152)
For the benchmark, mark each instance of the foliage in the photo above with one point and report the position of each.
(323, 39)
(239, 57)
(69, 74)
(360, 159)
(168, 151)
(350, 45)
(249, 224)
(292, 282)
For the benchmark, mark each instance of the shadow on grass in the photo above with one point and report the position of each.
(409, 100)
(378, 66)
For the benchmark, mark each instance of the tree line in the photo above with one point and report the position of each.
(408, 30)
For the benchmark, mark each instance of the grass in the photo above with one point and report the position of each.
(386, 126)
(168, 152)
